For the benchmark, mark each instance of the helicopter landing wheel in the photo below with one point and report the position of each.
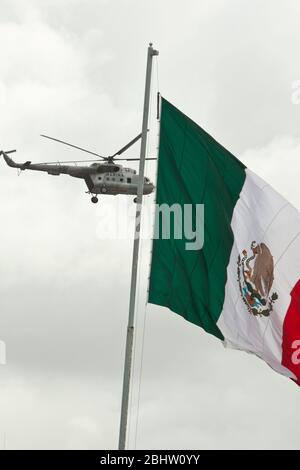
(94, 199)
(135, 200)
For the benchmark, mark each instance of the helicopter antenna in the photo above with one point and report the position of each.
(74, 146)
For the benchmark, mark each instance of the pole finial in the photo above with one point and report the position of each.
(151, 50)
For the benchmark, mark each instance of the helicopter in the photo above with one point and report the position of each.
(101, 177)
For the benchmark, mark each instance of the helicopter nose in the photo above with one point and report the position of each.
(149, 188)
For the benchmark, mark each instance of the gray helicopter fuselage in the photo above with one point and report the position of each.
(110, 178)
(100, 178)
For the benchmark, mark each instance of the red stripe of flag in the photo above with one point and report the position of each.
(291, 335)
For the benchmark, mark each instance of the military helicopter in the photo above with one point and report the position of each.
(101, 177)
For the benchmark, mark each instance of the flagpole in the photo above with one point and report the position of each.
(130, 328)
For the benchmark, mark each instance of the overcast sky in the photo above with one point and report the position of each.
(75, 69)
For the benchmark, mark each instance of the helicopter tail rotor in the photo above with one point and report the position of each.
(2, 152)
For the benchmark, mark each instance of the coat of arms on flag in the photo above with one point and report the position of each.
(255, 277)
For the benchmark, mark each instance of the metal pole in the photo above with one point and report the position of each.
(130, 328)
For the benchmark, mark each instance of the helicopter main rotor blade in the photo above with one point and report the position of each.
(133, 159)
(133, 141)
(68, 161)
(74, 146)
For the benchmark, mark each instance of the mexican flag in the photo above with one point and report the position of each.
(243, 284)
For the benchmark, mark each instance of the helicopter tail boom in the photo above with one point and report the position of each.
(53, 169)
(10, 162)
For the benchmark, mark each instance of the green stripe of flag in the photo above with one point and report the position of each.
(194, 169)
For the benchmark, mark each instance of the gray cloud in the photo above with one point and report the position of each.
(75, 70)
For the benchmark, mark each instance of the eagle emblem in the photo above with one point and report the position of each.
(255, 277)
